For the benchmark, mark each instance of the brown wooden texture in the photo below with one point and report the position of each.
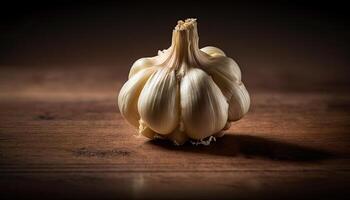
(61, 136)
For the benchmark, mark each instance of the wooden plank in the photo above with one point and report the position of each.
(160, 185)
(73, 143)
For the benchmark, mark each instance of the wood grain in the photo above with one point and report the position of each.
(62, 137)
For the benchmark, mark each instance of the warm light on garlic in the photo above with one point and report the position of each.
(184, 92)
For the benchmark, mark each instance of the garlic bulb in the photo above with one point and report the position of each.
(184, 92)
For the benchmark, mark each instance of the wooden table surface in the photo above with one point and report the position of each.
(61, 136)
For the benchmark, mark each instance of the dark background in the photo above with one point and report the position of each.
(308, 42)
(62, 64)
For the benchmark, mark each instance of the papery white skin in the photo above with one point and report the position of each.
(128, 95)
(184, 92)
(203, 106)
(158, 103)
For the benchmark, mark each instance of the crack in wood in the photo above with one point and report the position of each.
(46, 116)
(86, 152)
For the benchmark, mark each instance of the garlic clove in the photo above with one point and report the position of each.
(239, 102)
(146, 131)
(158, 104)
(213, 51)
(203, 106)
(129, 94)
(142, 63)
(224, 72)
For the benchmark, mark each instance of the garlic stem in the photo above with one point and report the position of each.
(184, 46)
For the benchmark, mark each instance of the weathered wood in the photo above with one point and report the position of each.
(66, 139)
